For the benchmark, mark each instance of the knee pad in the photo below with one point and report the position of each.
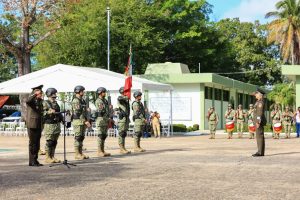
(138, 134)
(102, 136)
(123, 134)
(79, 138)
(50, 143)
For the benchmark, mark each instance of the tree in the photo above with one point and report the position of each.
(249, 51)
(283, 94)
(26, 23)
(285, 30)
(83, 38)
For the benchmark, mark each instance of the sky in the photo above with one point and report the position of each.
(246, 10)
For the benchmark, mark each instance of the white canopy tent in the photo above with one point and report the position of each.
(65, 77)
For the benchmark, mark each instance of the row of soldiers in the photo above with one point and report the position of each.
(241, 116)
(46, 115)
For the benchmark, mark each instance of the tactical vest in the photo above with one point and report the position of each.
(124, 107)
(52, 118)
(212, 117)
(140, 113)
(81, 110)
(104, 112)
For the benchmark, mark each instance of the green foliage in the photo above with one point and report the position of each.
(8, 67)
(196, 127)
(283, 94)
(179, 128)
(250, 52)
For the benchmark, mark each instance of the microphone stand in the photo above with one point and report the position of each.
(65, 162)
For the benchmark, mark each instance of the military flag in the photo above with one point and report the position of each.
(128, 74)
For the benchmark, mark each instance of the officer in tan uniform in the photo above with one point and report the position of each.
(250, 120)
(213, 120)
(240, 116)
(260, 121)
(230, 117)
(287, 117)
(276, 118)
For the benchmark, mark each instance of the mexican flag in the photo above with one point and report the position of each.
(128, 74)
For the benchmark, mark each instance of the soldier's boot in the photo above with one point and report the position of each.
(52, 155)
(137, 147)
(228, 135)
(78, 155)
(48, 158)
(123, 150)
(101, 152)
(83, 155)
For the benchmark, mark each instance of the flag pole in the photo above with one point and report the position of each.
(108, 38)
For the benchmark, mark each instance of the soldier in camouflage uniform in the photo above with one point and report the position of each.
(250, 120)
(80, 121)
(240, 116)
(276, 118)
(123, 123)
(230, 117)
(52, 120)
(139, 120)
(287, 117)
(213, 120)
(102, 115)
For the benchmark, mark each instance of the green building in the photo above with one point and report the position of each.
(194, 93)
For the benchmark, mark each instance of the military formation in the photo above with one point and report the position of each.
(46, 116)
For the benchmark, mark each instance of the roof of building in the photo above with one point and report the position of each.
(174, 73)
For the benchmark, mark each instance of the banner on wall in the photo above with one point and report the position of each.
(182, 107)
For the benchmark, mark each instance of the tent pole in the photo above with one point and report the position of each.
(171, 114)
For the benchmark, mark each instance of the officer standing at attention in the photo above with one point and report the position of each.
(123, 123)
(213, 120)
(52, 120)
(287, 117)
(230, 117)
(80, 121)
(102, 120)
(240, 118)
(139, 120)
(250, 120)
(34, 123)
(260, 121)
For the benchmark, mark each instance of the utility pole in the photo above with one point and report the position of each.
(108, 38)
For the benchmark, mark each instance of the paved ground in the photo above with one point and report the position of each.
(190, 167)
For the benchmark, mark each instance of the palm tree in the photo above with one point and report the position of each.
(285, 30)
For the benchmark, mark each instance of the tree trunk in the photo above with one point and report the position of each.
(24, 67)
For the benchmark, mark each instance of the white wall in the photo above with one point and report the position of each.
(185, 101)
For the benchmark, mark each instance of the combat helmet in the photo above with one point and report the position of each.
(79, 88)
(50, 92)
(136, 94)
(101, 90)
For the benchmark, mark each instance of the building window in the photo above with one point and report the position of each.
(208, 93)
(240, 98)
(218, 94)
(225, 95)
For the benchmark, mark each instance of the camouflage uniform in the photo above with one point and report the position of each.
(276, 118)
(240, 118)
(213, 119)
(51, 127)
(102, 123)
(79, 112)
(139, 119)
(287, 117)
(250, 114)
(123, 123)
(230, 117)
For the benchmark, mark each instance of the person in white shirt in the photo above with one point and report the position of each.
(297, 120)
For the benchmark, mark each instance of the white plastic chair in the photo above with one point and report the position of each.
(10, 130)
(130, 131)
(21, 129)
(111, 132)
(2, 128)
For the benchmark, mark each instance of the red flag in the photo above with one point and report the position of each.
(128, 73)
